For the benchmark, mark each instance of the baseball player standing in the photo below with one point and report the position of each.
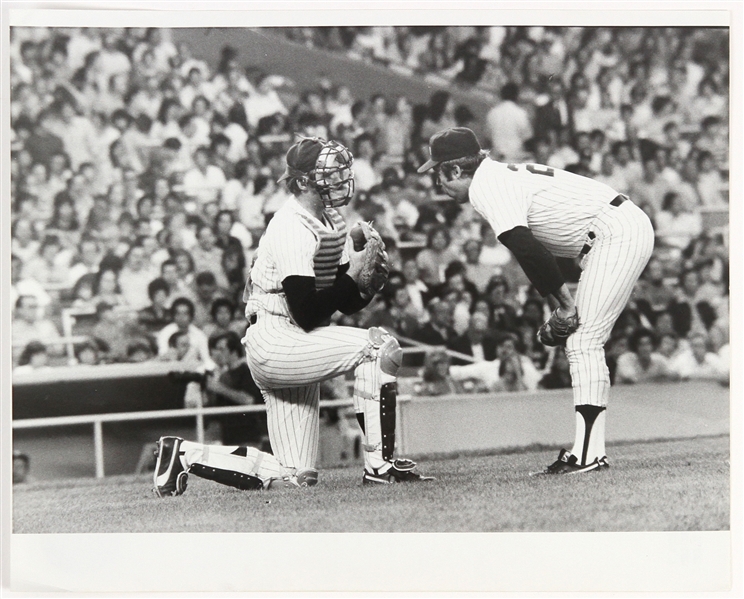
(539, 212)
(306, 268)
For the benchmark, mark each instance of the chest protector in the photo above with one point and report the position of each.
(330, 247)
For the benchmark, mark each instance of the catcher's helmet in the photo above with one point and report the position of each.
(326, 166)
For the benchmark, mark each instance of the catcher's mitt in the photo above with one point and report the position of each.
(369, 261)
(557, 330)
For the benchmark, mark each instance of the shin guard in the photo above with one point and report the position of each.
(244, 482)
(388, 403)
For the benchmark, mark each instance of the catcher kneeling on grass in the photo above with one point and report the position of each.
(540, 212)
(306, 268)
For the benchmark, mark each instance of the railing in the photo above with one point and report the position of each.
(97, 421)
(199, 412)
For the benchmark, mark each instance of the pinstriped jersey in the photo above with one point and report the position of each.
(557, 206)
(295, 244)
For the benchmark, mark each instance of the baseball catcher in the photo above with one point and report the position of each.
(307, 267)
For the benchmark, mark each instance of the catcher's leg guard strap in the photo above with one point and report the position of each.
(244, 482)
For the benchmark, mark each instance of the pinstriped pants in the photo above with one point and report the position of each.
(624, 242)
(288, 364)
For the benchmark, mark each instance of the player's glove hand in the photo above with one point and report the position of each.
(557, 329)
(368, 260)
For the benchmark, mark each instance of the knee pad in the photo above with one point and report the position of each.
(388, 350)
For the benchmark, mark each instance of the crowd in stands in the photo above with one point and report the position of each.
(142, 180)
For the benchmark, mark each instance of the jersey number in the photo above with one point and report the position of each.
(534, 169)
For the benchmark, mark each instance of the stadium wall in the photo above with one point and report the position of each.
(426, 425)
(305, 66)
(449, 424)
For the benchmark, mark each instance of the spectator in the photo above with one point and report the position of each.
(435, 257)
(475, 271)
(521, 372)
(713, 139)
(685, 309)
(87, 260)
(76, 132)
(651, 294)
(264, 101)
(438, 330)
(156, 316)
(49, 267)
(21, 466)
(44, 143)
(225, 230)
(234, 269)
(241, 197)
(223, 319)
(207, 255)
(28, 326)
(185, 266)
(107, 289)
(699, 363)
(114, 331)
(397, 314)
(440, 114)
(710, 186)
(642, 364)
(418, 291)
(139, 351)
(181, 350)
(22, 285)
(552, 111)
(365, 174)
(559, 373)
(88, 353)
(478, 341)
(651, 188)
(204, 182)
(233, 384)
(676, 226)
(205, 292)
(33, 357)
(511, 375)
(82, 292)
(135, 276)
(24, 243)
(183, 317)
(436, 376)
(503, 309)
(508, 126)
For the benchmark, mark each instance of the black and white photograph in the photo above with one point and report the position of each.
(451, 282)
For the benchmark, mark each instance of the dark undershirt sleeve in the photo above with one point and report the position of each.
(537, 262)
(310, 307)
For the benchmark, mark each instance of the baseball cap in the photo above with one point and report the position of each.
(302, 157)
(450, 144)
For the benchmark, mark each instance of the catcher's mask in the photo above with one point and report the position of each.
(325, 166)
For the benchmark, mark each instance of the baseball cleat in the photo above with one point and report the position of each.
(401, 471)
(567, 463)
(307, 477)
(170, 477)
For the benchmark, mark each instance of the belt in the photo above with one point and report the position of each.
(618, 201)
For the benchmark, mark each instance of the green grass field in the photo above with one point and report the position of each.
(655, 486)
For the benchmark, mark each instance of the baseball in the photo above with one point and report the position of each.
(357, 236)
